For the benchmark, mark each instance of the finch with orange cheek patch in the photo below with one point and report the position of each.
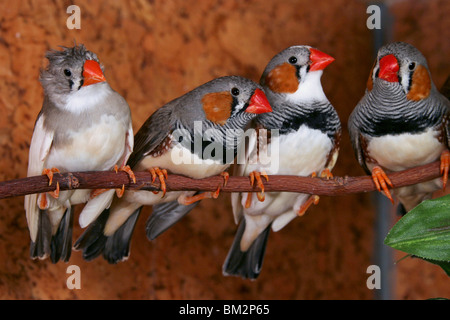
(84, 125)
(210, 121)
(308, 142)
(401, 122)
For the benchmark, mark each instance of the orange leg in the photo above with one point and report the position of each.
(126, 169)
(326, 173)
(97, 192)
(311, 200)
(49, 173)
(381, 180)
(43, 203)
(225, 175)
(205, 195)
(255, 175)
(162, 176)
(121, 191)
(445, 164)
(248, 202)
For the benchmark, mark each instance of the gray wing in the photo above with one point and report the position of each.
(166, 215)
(152, 133)
(355, 137)
(40, 146)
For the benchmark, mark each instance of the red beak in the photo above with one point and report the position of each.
(258, 103)
(319, 60)
(92, 73)
(389, 68)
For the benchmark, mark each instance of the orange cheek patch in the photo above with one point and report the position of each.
(217, 106)
(421, 84)
(282, 79)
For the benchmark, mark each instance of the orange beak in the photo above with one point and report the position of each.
(319, 60)
(92, 73)
(389, 68)
(258, 103)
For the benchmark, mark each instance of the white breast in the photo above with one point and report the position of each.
(298, 153)
(399, 152)
(310, 89)
(180, 160)
(87, 97)
(99, 147)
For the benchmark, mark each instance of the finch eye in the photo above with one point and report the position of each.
(411, 66)
(67, 72)
(235, 91)
(292, 60)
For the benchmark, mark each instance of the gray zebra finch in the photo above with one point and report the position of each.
(223, 107)
(83, 125)
(308, 137)
(401, 122)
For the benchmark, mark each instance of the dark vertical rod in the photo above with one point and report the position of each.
(383, 254)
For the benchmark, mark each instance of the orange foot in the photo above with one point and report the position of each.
(445, 164)
(381, 180)
(43, 202)
(205, 195)
(121, 191)
(255, 175)
(49, 173)
(311, 200)
(225, 175)
(326, 173)
(97, 192)
(162, 176)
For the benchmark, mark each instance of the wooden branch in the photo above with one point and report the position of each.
(98, 180)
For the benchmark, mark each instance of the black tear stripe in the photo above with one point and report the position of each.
(297, 68)
(70, 84)
(411, 74)
(235, 103)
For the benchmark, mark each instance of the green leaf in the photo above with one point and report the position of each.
(424, 231)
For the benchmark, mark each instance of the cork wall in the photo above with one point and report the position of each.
(153, 52)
